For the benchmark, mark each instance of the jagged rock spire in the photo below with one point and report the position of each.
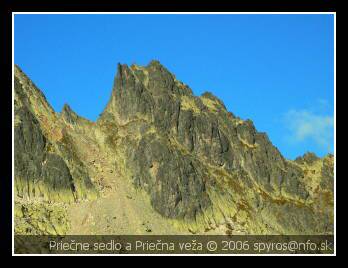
(198, 164)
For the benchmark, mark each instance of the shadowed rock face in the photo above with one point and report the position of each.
(45, 165)
(198, 162)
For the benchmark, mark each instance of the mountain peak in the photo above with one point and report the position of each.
(67, 108)
(136, 87)
(155, 63)
(68, 114)
(308, 157)
(199, 165)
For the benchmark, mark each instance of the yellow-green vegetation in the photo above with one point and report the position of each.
(17, 120)
(210, 104)
(178, 145)
(41, 218)
(145, 72)
(246, 144)
(38, 189)
(312, 174)
(321, 197)
(38, 103)
(188, 103)
(134, 172)
(238, 121)
(229, 213)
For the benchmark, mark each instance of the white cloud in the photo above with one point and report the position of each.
(305, 125)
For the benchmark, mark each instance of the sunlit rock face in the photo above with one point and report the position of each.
(200, 165)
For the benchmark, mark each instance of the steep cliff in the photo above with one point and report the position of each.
(202, 168)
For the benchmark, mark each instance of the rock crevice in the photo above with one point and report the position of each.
(199, 164)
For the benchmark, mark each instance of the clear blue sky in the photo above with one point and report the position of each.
(277, 70)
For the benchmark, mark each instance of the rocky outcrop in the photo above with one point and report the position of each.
(201, 165)
(46, 167)
(308, 158)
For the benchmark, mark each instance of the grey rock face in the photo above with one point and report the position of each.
(199, 163)
(308, 158)
(44, 167)
(327, 173)
(194, 138)
(178, 193)
(69, 115)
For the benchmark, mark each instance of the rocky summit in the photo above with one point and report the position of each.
(159, 160)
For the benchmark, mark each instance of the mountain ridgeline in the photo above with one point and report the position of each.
(202, 168)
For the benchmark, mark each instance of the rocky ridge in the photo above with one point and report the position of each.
(188, 161)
